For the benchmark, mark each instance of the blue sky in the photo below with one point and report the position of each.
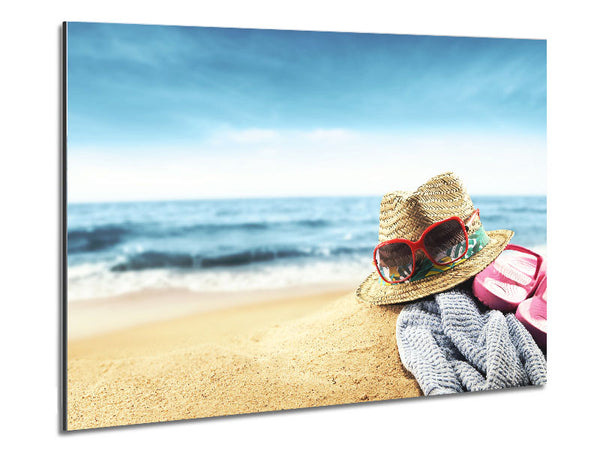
(185, 112)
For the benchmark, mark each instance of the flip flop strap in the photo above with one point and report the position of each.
(518, 248)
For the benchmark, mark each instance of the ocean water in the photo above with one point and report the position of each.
(245, 244)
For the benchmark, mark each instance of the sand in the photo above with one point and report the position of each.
(313, 349)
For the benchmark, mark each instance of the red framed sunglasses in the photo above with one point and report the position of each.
(442, 243)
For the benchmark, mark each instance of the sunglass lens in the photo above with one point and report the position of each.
(446, 243)
(395, 262)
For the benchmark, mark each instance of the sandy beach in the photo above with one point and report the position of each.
(129, 363)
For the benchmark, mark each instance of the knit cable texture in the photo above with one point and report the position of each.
(452, 343)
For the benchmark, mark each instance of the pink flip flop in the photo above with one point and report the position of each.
(510, 279)
(533, 313)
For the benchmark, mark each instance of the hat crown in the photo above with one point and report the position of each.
(407, 214)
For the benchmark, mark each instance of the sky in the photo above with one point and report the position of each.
(165, 112)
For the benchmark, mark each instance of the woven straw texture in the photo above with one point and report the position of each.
(406, 215)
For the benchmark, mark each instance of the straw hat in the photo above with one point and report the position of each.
(406, 215)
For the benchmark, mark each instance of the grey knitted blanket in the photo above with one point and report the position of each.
(452, 343)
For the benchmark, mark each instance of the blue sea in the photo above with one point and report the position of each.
(246, 244)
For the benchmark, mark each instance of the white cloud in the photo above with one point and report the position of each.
(260, 162)
(332, 134)
(252, 135)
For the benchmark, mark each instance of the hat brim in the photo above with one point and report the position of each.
(373, 290)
